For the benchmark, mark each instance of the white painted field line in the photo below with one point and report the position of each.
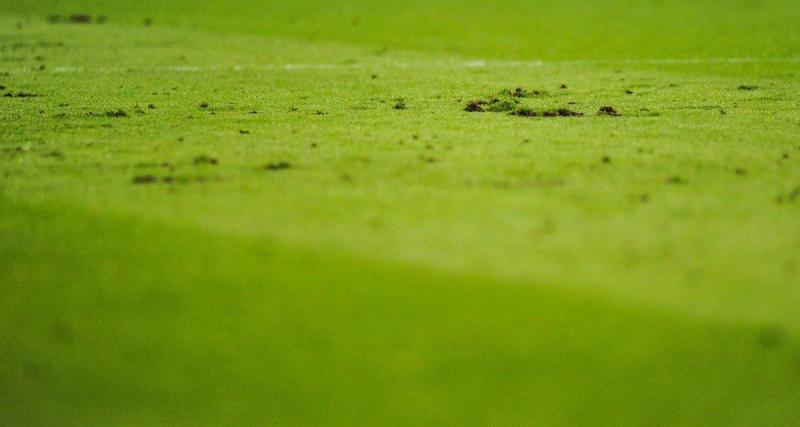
(402, 64)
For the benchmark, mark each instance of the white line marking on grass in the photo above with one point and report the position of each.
(686, 61)
(400, 64)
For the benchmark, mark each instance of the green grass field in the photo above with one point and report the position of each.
(280, 213)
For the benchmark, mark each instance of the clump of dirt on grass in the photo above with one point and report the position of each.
(277, 166)
(521, 93)
(561, 112)
(494, 105)
(509, 101)
(475, 106)
(747, 87)
(504, 101)
(144, 179)
(118, 113)
(76, 18)
(168, 179)
(607, 110)
(400, 104)
(204, 160)
(21, 95)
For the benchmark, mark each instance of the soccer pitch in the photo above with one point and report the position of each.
(505, 213)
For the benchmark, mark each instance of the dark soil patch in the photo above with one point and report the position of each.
(475, 106)
(80, 19)
(167, 179)
(118, 113)
(561, 112)
(203, 105)
(400, 104)
(607, 110)
(144, 179)
(77, 18)
(509, 101)
(526, 112)
(277, 166)
(21, 95)
(747, 87)
(495, 105)
(244, 132)
(204, 160)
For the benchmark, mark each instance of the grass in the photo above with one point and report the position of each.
(230, 217)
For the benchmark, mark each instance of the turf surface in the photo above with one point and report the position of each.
(281, 214)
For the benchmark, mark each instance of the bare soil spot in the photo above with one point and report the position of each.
(607, 110)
